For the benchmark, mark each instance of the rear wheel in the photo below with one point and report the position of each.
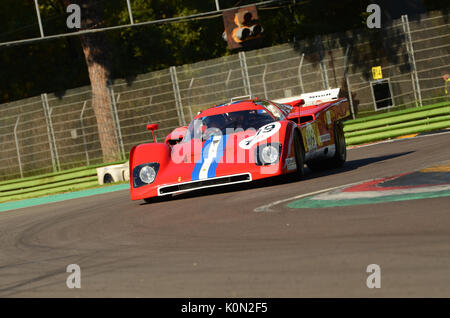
(317, 165)
(340, 155)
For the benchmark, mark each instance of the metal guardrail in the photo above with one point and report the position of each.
(422, 119)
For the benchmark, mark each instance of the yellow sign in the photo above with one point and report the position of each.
(376, 73)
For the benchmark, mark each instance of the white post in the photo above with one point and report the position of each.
(130, 12)
(189, 98)
(227, 82)
(177, 96)
(300, 80)
(245, 77)
(84, 133)
(350, 98)
(39, 18)
(50, 132)
(217, 5)
(413, 60)
(17, 146)
(115, 115)
(413, 84)
(264, 81)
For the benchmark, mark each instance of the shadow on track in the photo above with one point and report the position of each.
(278, 180)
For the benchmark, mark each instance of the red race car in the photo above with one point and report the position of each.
(240, 141)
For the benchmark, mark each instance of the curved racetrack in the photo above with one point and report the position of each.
(213, 243)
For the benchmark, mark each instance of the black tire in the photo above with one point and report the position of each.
(317, 165)
(299, 156)
(340, 155)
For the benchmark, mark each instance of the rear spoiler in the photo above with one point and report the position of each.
(310, 99)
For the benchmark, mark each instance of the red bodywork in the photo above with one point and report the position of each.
(181, 166)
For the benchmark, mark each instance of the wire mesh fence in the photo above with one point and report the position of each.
(50, 133)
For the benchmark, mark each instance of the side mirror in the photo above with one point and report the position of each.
(176, 136)
(152, 128)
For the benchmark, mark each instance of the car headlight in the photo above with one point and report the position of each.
(147, 174)
(269, 153)
(144, 174)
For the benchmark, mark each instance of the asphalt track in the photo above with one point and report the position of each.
(214, 244)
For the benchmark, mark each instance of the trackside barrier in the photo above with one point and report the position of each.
(48, 177)
(70, 180)
(394, 113)
(43, 192)
(391, 125)
(400, 118)
(398, 132)
(68, 183)
(421, 122)
(45, 181)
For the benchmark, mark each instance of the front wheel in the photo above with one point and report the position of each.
(299, 156)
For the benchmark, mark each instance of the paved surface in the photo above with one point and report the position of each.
(216, 245)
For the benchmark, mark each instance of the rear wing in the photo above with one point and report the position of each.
(310, 99)
(307, 107)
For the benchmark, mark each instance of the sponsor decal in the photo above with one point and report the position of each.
(328, 115)
(291, 164)
(325, 138)
(263, 133)
(311, 137)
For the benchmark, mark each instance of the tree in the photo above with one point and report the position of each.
(32, 69)
(97, 60)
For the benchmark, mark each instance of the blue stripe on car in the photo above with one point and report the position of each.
(198, 165)
(220, 154)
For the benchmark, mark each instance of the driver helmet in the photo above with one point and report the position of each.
(239, 119)
(215, 122)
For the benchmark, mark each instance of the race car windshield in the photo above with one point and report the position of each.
(227, 123)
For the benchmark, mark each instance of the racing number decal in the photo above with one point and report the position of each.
(246, 142)
(266, 129)
(311, 138)
(264, 132)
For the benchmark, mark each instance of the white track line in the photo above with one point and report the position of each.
(267, 207)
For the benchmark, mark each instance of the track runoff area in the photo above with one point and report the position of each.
(385, 213)
(430, 182)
